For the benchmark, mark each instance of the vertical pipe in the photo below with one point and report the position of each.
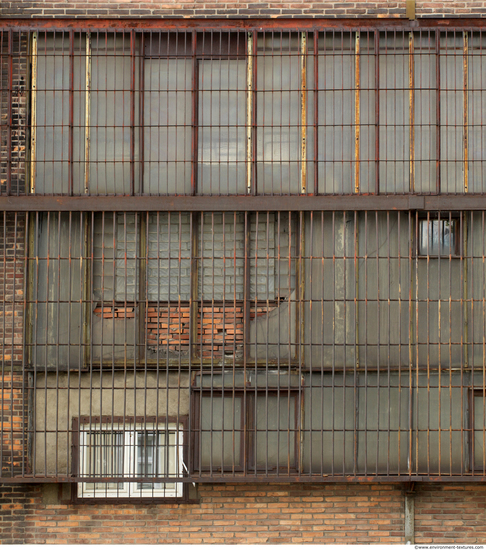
(303, 117)
(33, 121)
(357, 114)
(87, 111)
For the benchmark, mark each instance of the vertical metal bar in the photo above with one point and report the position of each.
(411, 110)
(194, 115)
(466, 121)
(357, 113)
(132, 111)
(9, 110)
(33, 120)
(316, 112)
(71, 115)
(303, 116)
(437, 111)
(141, 85)
(249, 113)
(377, 112)
(87, 112)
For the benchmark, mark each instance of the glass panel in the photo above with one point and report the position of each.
(167, 126)
(222, 127)
(58, 280)
(103, 453)
(111, 100)
(52, 113)
(278, 113)
(479, 432)
(437, 237)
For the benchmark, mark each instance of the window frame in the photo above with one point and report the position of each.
(245, 463)
(130, 425)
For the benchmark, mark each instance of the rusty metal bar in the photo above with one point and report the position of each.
(33, 119)
(357, 152)
(466, 109)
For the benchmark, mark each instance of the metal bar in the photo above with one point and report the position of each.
(87, 107)
(357, 114)
(411, 110)
(466, 110)
(9, 110)
(437, 112)
(377, 112)
(303, 113)
(71, 115)
(33, 121)
(249, 113)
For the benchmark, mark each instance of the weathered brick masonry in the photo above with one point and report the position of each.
(271, 8)
(226, 513)
(264, 513)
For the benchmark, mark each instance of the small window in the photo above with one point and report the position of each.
(126, 451)
(438, 237)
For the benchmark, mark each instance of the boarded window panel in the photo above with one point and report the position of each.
(479, 435)
(329, 420)
(111, 98)
(384, 288)
(452, 112)
(53, 117)
(330, 289)
(58, 279)
(167, 126)
(221, 431)
(439, 412)
(275, 432)
(222, 127)
(278, 114)
(383, 423)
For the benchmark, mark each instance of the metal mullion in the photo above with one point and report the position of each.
(413, 334)
(4, 282)
(26, 391)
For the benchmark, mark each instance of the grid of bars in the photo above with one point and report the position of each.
(262, 341)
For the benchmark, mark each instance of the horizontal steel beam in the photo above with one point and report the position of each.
(242, 24)
(242, 203)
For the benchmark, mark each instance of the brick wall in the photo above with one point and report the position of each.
(251, 513)
(223, 8)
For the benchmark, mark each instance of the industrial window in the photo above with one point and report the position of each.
(267, 113)
(124, 450)
(438, 236)
(247, 429)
